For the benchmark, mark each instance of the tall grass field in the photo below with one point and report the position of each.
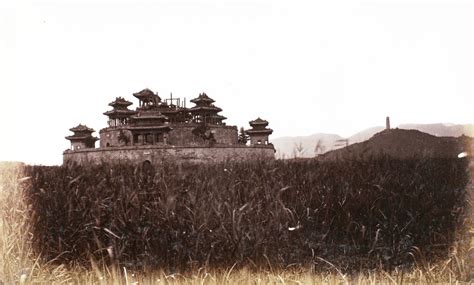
(295, 221)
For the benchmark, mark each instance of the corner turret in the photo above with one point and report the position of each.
(259, 132)
(82, 137)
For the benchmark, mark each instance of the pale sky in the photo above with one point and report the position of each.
(305, 66)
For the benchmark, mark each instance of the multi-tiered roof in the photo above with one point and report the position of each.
(148, 125)
(82, 135)
(259, 126)
(150, 119)
(205, 111)
(120, 114)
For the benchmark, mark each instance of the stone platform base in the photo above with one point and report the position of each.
(158, 154)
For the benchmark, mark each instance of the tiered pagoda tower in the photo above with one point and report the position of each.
(82, 137)
(120, 115)
(205, 112)
(259, 132)
(148, 126)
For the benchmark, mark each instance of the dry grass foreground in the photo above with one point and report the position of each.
(18, 264)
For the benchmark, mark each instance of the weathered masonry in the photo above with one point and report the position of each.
(159, 130)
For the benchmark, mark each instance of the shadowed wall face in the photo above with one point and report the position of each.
(110, 137)
(157, 155)
(180, 135)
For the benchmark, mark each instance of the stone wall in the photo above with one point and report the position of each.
(159, 154)
(180, 135)
(77, 145)
(109, 137)
(225, 134)
(254, 139)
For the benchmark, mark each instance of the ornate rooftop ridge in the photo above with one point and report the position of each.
(81, 128)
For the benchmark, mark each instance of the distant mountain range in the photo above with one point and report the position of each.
(312, 145)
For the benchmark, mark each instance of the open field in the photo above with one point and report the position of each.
(265, 231)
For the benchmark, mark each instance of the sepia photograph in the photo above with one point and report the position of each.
(236, 142)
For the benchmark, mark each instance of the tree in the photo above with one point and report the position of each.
(298, 150)
(243, 138)
(205, 133)
(200, 131)
(320, 148)
(122, 137)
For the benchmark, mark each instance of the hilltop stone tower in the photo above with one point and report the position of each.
(387, 123)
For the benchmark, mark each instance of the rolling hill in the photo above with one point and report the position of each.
(403, 144)
(287, 147)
